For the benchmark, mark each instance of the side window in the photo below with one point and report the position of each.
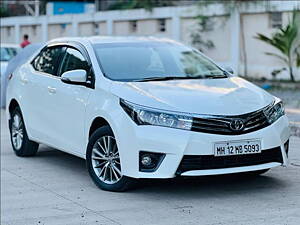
(74, 60)
(48, 60)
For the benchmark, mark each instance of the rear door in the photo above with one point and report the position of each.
(39, 83)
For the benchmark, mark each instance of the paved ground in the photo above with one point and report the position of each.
(54, 188)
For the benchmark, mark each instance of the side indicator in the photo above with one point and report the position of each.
(10, 76)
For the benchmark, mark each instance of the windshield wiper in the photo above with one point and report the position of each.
(181, 78)
(160, 79)
(215, 76)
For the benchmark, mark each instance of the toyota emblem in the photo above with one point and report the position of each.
(237, 125)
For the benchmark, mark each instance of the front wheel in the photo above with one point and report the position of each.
(103, 161)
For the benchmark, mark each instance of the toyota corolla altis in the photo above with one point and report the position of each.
(143, 108)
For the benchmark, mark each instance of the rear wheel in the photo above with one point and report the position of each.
(21, 144)
(103, 161)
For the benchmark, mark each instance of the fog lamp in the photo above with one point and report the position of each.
(150, 161)
(146, 160)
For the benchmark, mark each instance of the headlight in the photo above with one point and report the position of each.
(147, 116)
(275, 112)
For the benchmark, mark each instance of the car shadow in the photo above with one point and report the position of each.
(204, 187)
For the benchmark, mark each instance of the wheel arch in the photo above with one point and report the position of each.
(12, 105)
(97, 123)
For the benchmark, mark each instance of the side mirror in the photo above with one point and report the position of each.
(229, 69)
(77, 77)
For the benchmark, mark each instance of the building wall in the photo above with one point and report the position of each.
(121, 28)
(151, 27)
(259, 64)
(7, 34)
(102, 28)
(219, 35)
(59, 30)
(180, 23)
(33, 31)
(86, 29)
(143, 28)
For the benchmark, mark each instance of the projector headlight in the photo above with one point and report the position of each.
(142, 115)
(275, 112)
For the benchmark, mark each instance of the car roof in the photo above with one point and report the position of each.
(112, 39)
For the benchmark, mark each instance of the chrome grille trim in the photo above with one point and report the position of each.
(221, 124)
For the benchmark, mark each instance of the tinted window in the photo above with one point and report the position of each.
(141, 60)
(74, 60)
(48, 60)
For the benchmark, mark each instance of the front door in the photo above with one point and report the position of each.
(69, 105)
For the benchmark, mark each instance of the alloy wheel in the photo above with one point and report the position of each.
(106, 160)
(17, 131)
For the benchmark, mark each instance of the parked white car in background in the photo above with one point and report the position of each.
(17, 60)
(143, 108)
(7, 51)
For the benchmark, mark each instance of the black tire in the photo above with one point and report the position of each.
(124, 183)
(27, 147)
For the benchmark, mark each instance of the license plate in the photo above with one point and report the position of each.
(242, 147)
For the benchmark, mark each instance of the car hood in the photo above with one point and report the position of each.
(229, 96)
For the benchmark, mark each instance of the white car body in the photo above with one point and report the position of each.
(61, 115)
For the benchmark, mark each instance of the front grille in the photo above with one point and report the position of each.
(204, 162)
(222, 124)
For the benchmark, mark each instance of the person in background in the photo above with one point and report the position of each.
(25, 41)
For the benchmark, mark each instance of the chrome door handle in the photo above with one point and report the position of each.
(51, 90)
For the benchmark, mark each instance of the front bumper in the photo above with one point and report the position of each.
(176, 144)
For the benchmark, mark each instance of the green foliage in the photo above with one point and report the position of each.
(298, 59)
(286, 40)
(3, 12)
(231, 5)
(135, 4)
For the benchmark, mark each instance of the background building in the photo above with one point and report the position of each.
(225, 32)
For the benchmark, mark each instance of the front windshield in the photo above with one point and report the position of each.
(146, 60)
(7, 53)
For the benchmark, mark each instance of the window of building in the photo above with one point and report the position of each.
(162, 25)
(34, 30)
(96, 29)
(275, 20)
(8, 31)
(133, 26)
(63, 28)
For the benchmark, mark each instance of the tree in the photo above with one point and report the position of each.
(204, 24)
(287, 41)
(135, 4)
(3, 12)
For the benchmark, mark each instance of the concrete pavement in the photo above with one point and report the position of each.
(54, 188)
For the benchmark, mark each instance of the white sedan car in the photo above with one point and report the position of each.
(143, 108)
(17, 60)
(7, 52)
